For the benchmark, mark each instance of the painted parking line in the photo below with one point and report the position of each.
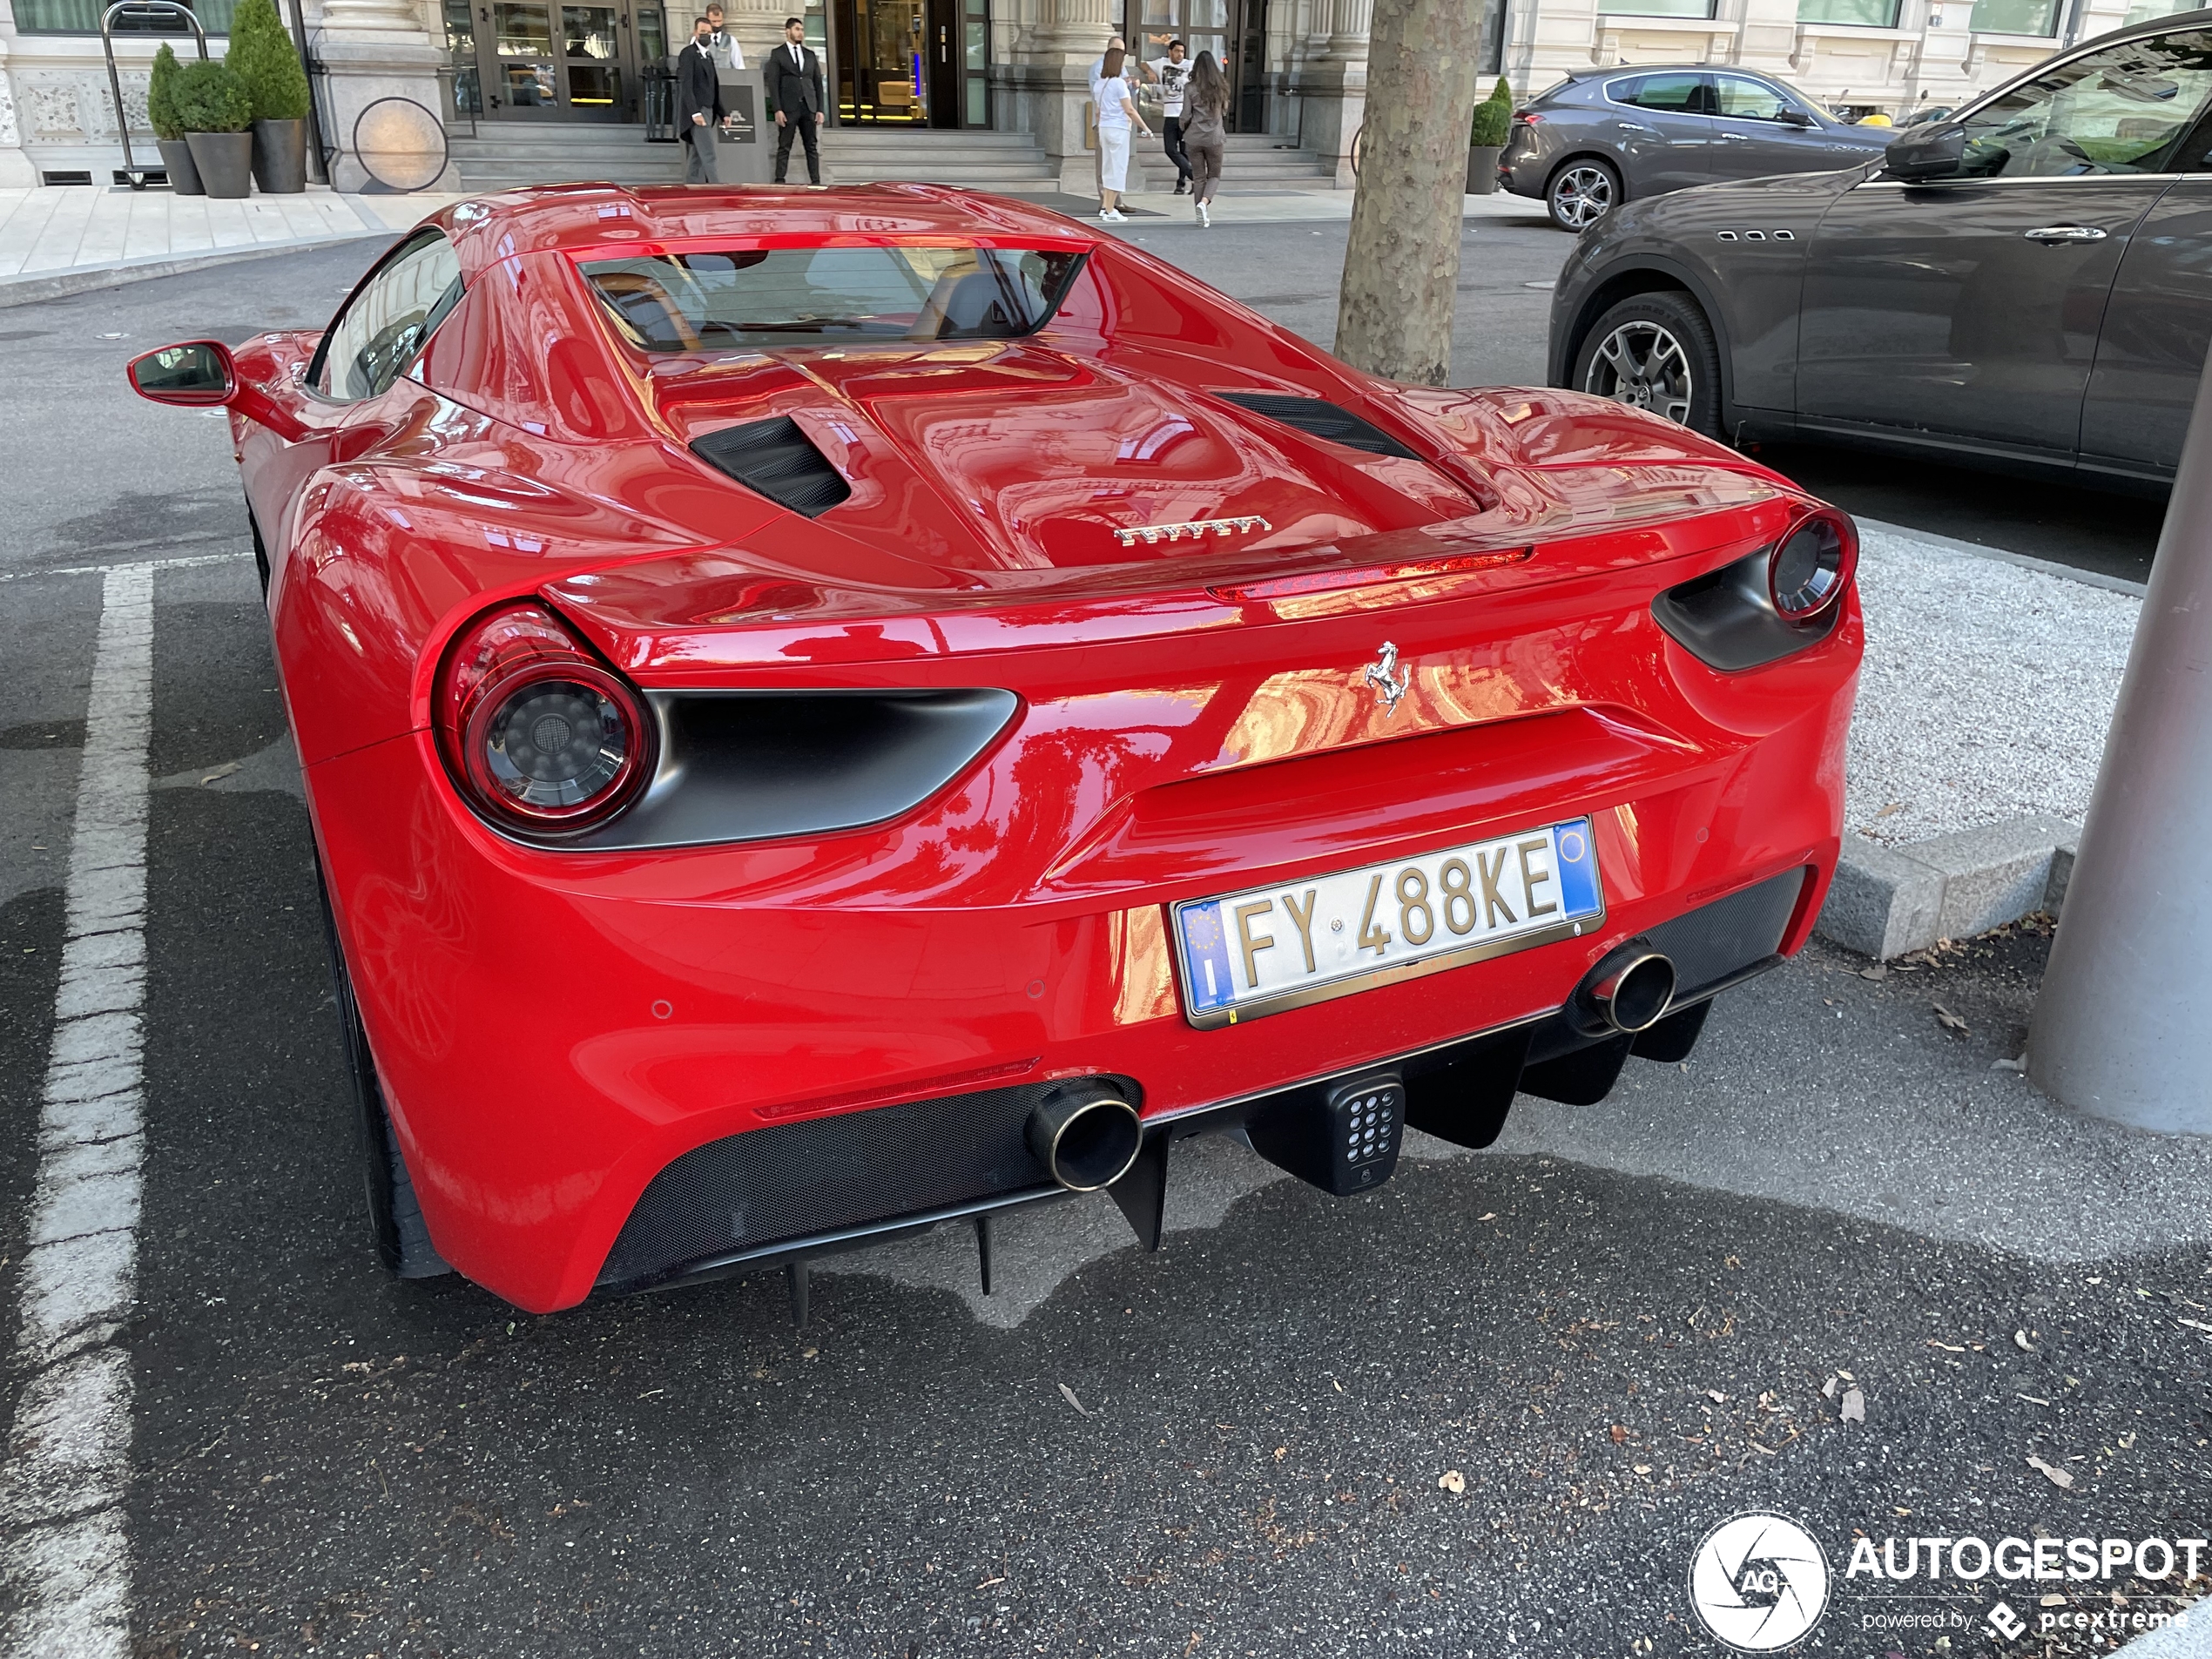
(64, 1561)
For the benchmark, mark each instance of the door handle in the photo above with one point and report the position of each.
(2052, 234)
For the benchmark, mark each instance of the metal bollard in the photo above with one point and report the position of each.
(2123, 1024)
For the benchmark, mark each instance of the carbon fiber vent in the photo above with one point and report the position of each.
(1321, 419)
(776, 459)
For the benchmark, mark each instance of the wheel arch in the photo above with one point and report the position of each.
(1647, 276)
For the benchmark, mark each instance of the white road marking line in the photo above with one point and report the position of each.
(64, 1561)
(184, 562)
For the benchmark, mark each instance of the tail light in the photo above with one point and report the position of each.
(539, 733)
(1812, 565)
(1527, 117)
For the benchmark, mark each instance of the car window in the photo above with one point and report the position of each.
(1748, 100)
(1682, 94)
(2117, 111)
(386, 324)
(750, 296)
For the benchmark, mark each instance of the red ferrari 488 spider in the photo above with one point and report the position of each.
(827, 713)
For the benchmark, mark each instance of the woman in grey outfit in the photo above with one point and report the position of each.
(1205, 108)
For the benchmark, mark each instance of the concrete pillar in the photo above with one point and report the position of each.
(2123, 1023)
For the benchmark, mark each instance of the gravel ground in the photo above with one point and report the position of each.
(1987, 689)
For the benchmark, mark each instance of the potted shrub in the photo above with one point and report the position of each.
(1486, 137)
(262, 54)
(161, 116)
(216, 113)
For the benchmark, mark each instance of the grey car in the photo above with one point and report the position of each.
(1605, 136)
(2028, 285)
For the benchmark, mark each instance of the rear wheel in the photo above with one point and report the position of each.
(394, 1217)
(1582, 192)
(1655, 352)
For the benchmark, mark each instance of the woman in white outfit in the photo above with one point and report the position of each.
(1116, 115)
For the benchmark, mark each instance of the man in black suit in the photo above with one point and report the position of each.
(794, 77)
(698, 104)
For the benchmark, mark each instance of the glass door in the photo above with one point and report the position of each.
(592, 63)
(884, 77)
(523, 79)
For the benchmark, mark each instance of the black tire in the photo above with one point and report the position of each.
(401, 1238)
(261, 554)
(1655, 352)
(1582, 191)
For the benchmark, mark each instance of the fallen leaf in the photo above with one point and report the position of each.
(2052, 1600)
(1282, 1451)
(1452, 1481)
(1641, 1468)
(1853, 1410)
(1068, 1394)
(223, 771)
(1334, 1384)
(1756, 1447)
(2020, 1341)
(1946, 1346)
(1845, 1375)
(1618, 1433)
(1828, 1389)
(1947, 1020)
(1489, 1215)
(2058, 1477)
(1876, 972)
(2019, 1064)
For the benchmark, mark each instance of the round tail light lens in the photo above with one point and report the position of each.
(1811, 566)
(540, 734)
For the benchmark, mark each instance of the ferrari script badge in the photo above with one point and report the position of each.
(1198, 529)
(1390, 681)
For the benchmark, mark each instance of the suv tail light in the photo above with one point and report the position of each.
(539, 733)
(1527, 117)
(1812, 565)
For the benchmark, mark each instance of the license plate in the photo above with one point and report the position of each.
(1266, 949)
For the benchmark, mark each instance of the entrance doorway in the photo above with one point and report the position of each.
(548, 60)
(913, 63)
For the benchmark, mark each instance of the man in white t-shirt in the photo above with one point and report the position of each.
(1172, 72)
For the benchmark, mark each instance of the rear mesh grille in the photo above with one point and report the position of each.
(767, 1186)
(776, 459)
(1321, 419)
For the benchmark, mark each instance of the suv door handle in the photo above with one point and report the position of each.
(2054, 233)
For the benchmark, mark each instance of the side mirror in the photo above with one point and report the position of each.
(1790, 118)
(192, 374)
(1935, 152)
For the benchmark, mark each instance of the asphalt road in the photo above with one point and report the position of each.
(1626, 1324)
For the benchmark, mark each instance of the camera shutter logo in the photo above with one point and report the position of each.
(1758, 1582)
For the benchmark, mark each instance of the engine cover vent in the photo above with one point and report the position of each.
(776, 459)
(1321, 419)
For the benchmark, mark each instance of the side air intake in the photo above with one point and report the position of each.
(1321, 419)
(775, 458)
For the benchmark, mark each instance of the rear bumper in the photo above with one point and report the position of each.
(835, 1183)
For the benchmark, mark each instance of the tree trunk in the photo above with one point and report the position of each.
(1401, 265)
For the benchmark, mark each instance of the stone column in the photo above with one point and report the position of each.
(1055, 86)
(374, 48)
(1335, 88)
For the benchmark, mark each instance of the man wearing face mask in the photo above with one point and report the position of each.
(698, 103)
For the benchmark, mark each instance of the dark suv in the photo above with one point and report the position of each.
(1605, 136)
(2028, 284)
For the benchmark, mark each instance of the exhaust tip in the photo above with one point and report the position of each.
(1086, 1135)
(1633, 988)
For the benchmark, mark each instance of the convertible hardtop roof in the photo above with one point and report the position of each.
(486, 229)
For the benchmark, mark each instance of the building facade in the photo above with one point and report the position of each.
(1298, 67)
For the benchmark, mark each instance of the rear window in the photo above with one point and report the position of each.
(764, 296)
(1684, 94)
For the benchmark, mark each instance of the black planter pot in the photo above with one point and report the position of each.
(1482, 168)
(225, 162)
(184, 178)
(280, 157)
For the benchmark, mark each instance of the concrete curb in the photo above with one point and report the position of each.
(1888, 900)
(85, 278)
